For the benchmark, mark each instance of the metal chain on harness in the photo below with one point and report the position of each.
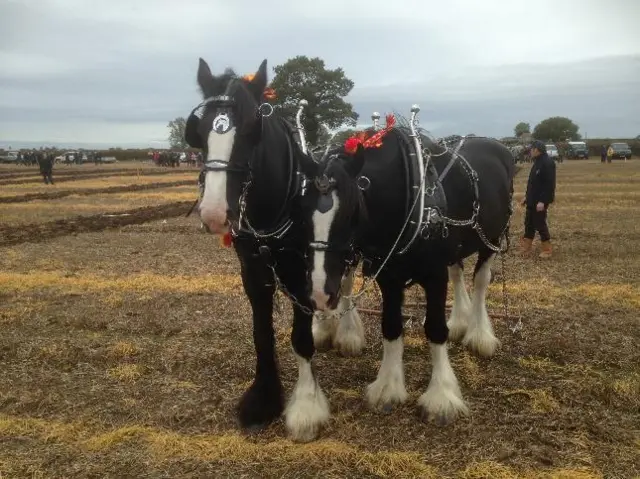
(473, 221)
(279, 286)
(280, 232)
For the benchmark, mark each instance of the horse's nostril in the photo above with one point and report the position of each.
(332, 299)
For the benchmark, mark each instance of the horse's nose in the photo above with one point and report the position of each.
(320, 299)
(214, 219)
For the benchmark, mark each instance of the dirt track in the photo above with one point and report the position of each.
(91, 191)
(81, 175)
(12, 173)
(37, 232)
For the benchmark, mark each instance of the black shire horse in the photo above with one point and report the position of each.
(347, 211)
(251, 187)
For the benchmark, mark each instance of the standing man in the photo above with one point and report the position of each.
(603, 154)
(46, 167)
(541, 190)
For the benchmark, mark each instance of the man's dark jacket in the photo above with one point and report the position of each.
(46, 163)
(541, 187)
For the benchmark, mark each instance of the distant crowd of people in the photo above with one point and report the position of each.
(44, 160)
(174, 158)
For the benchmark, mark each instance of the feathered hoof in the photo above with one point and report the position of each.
(457, 329)
(323, 328)
(350, 344)
(442, 406)
(480, 342)
(306, 415)
(385, 397)
(260, 405)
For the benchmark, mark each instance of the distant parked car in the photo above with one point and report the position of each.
(552, 151)
(577, 149)
(107, 159)
(10, 157)
(620, 150)
(66, 157)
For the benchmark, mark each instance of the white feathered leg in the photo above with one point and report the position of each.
(461, 309)
(308, 408)
(479, 336)
(388, 389)
(349, 338)
(442, 401)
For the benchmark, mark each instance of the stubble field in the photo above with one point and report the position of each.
(125, 342)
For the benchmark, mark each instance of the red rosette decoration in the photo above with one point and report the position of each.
(226, 240)
(391, 121)
(351, 145)
(269, 94)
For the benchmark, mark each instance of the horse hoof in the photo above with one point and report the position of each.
(260, 405)
(440, 419)
(324, 345)
(387, 408)
(457, 330)
(255, 429)
(350, 349)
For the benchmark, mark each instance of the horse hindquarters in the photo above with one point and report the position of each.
(263, 401)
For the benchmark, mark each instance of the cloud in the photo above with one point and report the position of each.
(119, 71)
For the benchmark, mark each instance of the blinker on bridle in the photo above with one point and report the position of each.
(325, 186)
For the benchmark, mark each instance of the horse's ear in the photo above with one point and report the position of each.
(204, 76)
(356, 162)
(259, 81)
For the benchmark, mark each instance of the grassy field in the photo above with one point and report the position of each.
(123, 353)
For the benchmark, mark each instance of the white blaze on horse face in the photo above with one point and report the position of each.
(213, 206)
(321, 226)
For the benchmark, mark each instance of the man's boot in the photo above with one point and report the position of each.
(526, 245)
(546, 249)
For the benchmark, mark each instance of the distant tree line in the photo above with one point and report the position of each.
(558, 129)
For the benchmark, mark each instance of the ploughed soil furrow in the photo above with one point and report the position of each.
(62, 171)
(36, 232)
(70, 176)
(91, 191)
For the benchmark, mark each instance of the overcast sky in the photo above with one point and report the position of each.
(115, 72)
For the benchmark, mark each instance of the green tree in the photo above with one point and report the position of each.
(308, 78)
(556, 128)
(176, 133)
(324, 135)
(342, 135)
(521, 128)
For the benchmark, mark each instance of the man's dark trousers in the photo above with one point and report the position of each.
(536, 221)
